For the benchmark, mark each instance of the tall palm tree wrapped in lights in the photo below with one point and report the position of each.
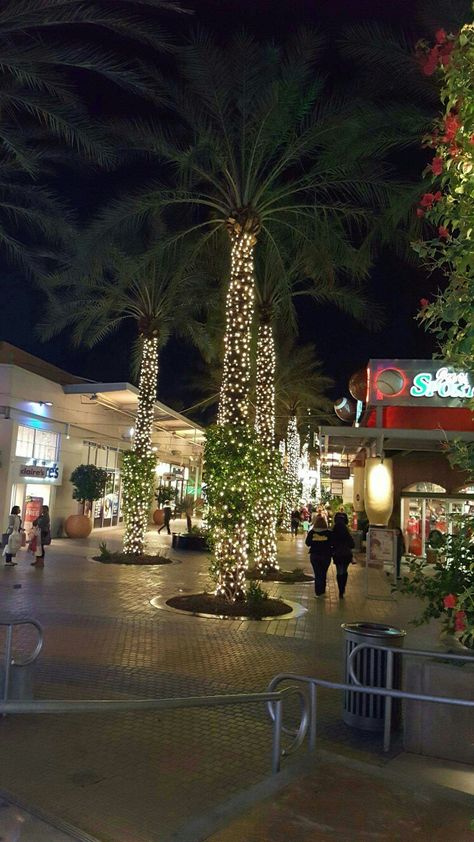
(253, 154)
(159, 296)
(312, 271)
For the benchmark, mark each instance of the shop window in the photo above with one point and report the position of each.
(25, 441)
(426, 487)
(37, 444)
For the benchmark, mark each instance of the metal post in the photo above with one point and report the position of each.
(276, 743)
(313, 712)
(8, 661)
(387, 730)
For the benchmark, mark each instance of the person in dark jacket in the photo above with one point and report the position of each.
(43, 525)
(319, 541)
(167, 512)
(343, 544)
(341, 516)
(295, 519)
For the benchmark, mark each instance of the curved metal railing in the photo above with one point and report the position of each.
(8, 659)
(389, 692)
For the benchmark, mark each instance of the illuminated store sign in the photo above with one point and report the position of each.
(51, 472)
(418, 383)
(445, 384)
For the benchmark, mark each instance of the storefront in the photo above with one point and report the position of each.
(427, 512)
(52, 421)
(401, 475)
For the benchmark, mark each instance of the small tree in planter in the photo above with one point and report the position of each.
(162, 494)
(89, 484)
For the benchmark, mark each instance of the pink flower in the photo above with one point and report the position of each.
(424, 303)
(451, 126)
(438, 196)
(450, 600)
(443, 232)
(430, 62)
(440, 36)
(420, 213)
(471, 140)
(437, 165)
(460, 621)
(427, 200)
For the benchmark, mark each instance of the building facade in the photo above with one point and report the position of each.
(52, 421)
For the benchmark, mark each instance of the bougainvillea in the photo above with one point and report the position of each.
(449, 209)
(449, 205)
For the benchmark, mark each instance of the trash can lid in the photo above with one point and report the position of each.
(373, 629)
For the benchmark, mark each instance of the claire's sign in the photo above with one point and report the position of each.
(50, 473)
(418, 383)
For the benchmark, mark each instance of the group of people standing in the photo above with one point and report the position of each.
(13, 539)
(326, 544)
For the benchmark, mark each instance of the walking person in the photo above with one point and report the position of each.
(12, 536)
(42, 526)
(343, 544)
(319, 541)
(167, 514)
(295, 519)
(341, 516)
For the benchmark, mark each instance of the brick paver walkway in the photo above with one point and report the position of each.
(139, 777)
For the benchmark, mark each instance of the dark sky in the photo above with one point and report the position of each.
(342, 345)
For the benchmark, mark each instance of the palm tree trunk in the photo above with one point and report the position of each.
(265, 392)
(231, 545)
(235, 388)
(265, 544)
(293, 450)
(138, 480)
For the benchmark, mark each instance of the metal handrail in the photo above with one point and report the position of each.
(391, 650)
(8, 660)
(357, 687)
(276, 698)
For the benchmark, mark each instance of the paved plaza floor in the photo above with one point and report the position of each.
(142, 777)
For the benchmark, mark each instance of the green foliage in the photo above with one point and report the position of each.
(449, 316)
(234, 462)
(138, 473)
(104, 553)
(451, 574)
(256, 598)
(164, 493)
(231, 459)
(89, 483)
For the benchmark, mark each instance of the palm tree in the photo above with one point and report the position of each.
(252, 154)
(159, 296)
(44, 46)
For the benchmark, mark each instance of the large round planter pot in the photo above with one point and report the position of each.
(159, 517)
(78, 526)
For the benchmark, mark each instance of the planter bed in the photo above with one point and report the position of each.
(206, 603)
(194, 543)
(124, 558)
(286, 577)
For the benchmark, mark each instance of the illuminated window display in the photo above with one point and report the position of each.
(427, 512)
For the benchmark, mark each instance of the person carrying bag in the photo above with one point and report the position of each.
(12, 538)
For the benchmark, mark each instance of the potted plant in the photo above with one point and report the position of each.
(162, 494)
(89, 484)
(196, 539)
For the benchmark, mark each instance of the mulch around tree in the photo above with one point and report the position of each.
(286, 577)
(207, 603)
(126, 558)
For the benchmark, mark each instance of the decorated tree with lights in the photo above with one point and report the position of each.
(253, 154)
(159, 296)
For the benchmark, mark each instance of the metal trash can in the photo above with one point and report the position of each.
(365, 710)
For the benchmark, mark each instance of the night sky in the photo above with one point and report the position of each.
(342, 345)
